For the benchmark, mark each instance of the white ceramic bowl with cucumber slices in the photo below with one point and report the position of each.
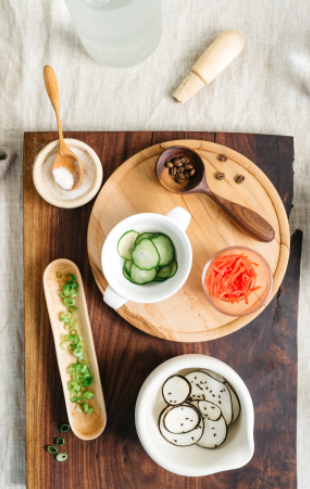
(192, 453)
(146, 258)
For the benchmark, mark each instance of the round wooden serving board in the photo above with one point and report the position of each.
(133, 188)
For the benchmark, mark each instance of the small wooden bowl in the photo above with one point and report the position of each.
(168, 181)
(83, 426)
(46, 191)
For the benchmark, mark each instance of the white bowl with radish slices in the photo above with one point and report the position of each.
(195, 416)
(144, 242)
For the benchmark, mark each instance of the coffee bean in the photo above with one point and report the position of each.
(240, 179)
(173, 171)
(180, 169)
(220, 176)
(186, 173)
(169, 164)
(181, 176)
(192, 172)
(223, 158)
(178, 180)
(189, 167)
(177, 162)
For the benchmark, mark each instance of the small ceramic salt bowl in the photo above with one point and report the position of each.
(120, 290)
(194, 461)
(48, 188)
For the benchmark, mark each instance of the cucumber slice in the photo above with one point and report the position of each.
(143, 236)
(157, 279)
(168, 271)
(165, 249)
(126, 244)
(145, 255)
(127, 266)
(126, 275)
(141, 277)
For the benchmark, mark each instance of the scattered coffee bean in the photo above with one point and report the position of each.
(186, 173)
(179, 180)
(181, 176)
(220, 176)
(177, 162)
(223, 158)
(173, 171)
(180, 169)
(169, 164)
(189, 166)
(240, 179)
(192, 172)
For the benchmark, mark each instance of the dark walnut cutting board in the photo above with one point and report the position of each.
(264, 352)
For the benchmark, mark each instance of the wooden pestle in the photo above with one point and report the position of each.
(212, 62)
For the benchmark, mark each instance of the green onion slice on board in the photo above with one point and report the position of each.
(61, 457)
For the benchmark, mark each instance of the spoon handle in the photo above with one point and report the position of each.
(53, 93)
(245, 219)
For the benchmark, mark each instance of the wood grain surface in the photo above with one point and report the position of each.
(187, 315)
(264, 353)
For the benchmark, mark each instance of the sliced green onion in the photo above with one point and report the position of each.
(65, 315)
(65, 428)
(52, 449)
(88, 395)
(71, 386)
(78, 377)
(60, 441)
(72, 277)
(80, 371)
(58, 274)
(88, 381)
(61, 457)
(68, 326)
(70, 370)
(67, 286)
(78, 352)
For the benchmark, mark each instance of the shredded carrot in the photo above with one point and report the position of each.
(232, 278)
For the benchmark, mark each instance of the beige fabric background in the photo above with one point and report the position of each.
(267, 90)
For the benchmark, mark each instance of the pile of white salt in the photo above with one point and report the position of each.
(66, 181)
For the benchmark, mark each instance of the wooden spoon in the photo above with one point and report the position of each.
(65, 157)
(244, 218)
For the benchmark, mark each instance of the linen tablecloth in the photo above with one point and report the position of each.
(266, 90)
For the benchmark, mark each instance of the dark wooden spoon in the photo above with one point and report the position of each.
(244, 218)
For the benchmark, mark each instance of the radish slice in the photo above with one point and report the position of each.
(176, 390)
(181, 439)
(215, 375)
(235, 403)
(209, 410)
(214, 433)
(198, 380)
(181, 419)
(209, 389)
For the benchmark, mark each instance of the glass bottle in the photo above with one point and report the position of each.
(117, 33)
